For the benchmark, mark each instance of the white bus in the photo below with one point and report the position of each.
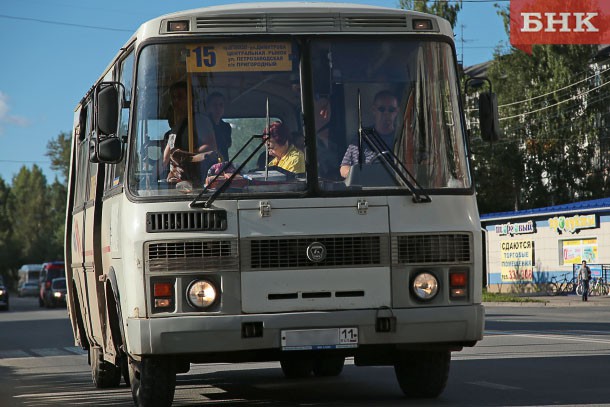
(377, 259)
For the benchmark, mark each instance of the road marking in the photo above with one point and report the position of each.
(11, 354)
(49, 352)
(495, 386)
(557, 337)
(76, 350)
(41, 352)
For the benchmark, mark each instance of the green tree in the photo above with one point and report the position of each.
(30, 215)
(443, 8)
(58, 150)
(548, 114)
(8, 261)
(57, 193)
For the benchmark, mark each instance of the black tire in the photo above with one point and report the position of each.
(105, 374)
(552, 289)
(296, 368)
(423, 374)
(153, 382)
(326, 367)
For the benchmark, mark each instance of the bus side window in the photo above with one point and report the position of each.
(115, 173)
(82, 154)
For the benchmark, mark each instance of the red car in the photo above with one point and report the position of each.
(49, 272)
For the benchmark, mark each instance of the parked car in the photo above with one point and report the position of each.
(28, 289)
(49, 272)
(3, 295)
(56, 295)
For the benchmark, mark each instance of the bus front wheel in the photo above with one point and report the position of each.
(152, 381)
(423, 374)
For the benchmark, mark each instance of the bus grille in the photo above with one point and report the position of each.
(233, 23)
(449, 248)
(202, 255)
(341, 251)
(300, 23)
(385, 23)
(186, 221)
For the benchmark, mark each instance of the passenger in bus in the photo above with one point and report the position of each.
(285, 154)
(326, 148)
(215, 105)
(185, 165)
(385, 110)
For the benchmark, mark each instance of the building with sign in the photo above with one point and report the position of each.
(525, 249)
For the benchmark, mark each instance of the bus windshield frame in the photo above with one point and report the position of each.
(310, 99)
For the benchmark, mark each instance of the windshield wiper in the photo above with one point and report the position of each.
(389, 160)
(208, 203)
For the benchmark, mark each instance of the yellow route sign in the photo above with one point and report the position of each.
(240, 57)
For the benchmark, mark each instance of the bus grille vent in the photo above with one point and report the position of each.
(201, 255)
(303, 23)
(449, 248)
(232, 24)
(342, 251)
(368, 23)
(186, 221)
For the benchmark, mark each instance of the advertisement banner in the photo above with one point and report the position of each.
(558, 22)
(517, 260)
(575, 251)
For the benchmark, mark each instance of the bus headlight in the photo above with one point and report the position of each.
(425, 286)
(201, 294)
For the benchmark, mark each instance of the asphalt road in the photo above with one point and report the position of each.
(531, 356)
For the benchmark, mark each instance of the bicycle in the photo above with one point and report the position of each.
(558, 287)
(596, 287)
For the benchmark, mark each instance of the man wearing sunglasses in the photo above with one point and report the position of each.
(385, 110)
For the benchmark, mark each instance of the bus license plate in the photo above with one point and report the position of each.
(317, 339)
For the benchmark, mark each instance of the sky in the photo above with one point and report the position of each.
(54, 50)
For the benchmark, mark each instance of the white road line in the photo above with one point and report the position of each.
(495, 386)
(12, 354)
(76, 350)
(557, 337)
(49, 352)
(41, 352)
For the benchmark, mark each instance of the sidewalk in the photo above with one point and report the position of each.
(555, 301)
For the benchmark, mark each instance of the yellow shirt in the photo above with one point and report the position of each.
(293, 161)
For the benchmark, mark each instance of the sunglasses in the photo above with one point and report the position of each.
(383, 109)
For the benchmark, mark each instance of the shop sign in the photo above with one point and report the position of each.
(572, 224)
(517, 260)
(515, 228)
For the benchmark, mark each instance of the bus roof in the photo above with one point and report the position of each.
(291, 17)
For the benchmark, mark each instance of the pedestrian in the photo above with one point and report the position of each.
(584, 274)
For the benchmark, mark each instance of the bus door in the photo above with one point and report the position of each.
(83, 221)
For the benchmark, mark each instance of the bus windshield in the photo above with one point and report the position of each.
(385, 118)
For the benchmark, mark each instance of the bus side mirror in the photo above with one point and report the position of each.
(110, 150)
(106, 146)
(107, 109)
(488, 116)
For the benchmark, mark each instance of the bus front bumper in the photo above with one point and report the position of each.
(198, 334)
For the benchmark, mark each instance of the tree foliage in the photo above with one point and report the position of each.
(442, 8)
(32, 213)
(550, 110)
(58, 150)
